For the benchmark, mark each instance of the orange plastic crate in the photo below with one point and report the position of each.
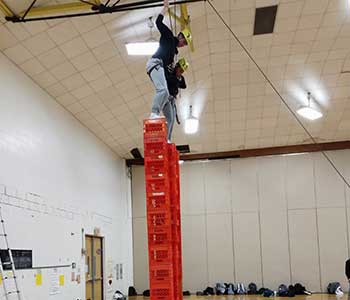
(160, 255)
(158, 203)
(163, 237)
(162, 292)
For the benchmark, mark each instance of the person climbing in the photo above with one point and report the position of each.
(175, 81)
(164, 58)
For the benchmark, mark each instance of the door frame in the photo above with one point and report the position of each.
(102, 238)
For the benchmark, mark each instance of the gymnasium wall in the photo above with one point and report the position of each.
(58, 182)
(270, 220)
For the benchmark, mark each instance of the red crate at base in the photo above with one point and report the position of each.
(158, 203)
(160, 255)
(161, 292)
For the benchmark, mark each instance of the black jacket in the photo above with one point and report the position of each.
(167, 43)
(347, 268)
(174, 83)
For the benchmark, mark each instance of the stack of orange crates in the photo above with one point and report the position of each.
(163, 212)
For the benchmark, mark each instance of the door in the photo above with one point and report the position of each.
(94, 267)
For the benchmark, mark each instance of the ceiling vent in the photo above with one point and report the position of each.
(265, 18)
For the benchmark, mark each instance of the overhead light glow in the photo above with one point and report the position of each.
(309, 113)
(191, 123)
(181, 162)
(142, 48)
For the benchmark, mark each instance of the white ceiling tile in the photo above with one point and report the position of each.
(18, 30)
(7, 39)
(66, 99)
(52, 58)
(74, 47)
(75, 108)
(96, 37)
(73, 82)
(93, 73)
(32, 67)
(39, 43)
(63, 71)
(56, 90)
(62, 32)
(35, 27)
(84, 61)
(101, 83)
(82, 92)
(85, 24)
(18, 54)
(105, 51)
(44, 79)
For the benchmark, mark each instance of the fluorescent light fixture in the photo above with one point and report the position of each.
(191, 124)
(181, 162)
(142, 48)
(309, 113)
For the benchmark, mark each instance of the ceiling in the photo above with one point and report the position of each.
(83, 64)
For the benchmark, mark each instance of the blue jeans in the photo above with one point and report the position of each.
(159, 81)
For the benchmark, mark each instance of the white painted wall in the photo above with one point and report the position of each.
(81, 185)
(270, 220)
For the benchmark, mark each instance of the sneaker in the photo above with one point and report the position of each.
(154, 116)
(339, 291)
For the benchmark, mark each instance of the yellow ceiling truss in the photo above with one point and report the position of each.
(183, 19)
(89, 7)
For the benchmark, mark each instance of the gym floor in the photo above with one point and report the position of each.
(248, 297)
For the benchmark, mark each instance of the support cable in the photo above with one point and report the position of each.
(28, 10)
(277, 92)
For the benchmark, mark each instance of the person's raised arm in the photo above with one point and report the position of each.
(163, 29)
(165, 7)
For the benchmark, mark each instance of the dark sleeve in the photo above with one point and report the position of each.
(347, 268)
(163, 29)
(181, 83)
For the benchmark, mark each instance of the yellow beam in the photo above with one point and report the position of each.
(186, 21)
(5, 9)
(177, 18)
(59, 8)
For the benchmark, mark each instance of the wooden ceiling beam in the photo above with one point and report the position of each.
(294, 149)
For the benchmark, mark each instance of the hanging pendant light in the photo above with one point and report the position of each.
(191, 123)
(309, 112)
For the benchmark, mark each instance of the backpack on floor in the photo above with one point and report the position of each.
(332, 287)
(146, 293)
(220, 289)
(282, 291)
(132, 291)
(252, 289)
(209, 291)
(186, 293)
(241, 290)
(299, 289)
(291, 291)
(118, 295)
(268, 293)
(261, 291)
(230, 289)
